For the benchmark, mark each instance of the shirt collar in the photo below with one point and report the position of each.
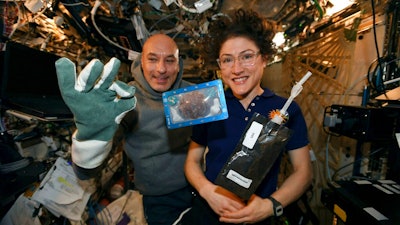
(266, 94)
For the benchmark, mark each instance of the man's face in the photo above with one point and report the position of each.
(160, 63)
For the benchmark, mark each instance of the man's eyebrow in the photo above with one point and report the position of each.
(160, 54)
(151, 54)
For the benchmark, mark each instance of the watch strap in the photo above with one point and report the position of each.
(277, 206)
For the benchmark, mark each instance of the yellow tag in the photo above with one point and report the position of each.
(340, 212)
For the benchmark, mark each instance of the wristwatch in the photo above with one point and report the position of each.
(278, 208)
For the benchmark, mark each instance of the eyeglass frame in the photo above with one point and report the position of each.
(255, 54)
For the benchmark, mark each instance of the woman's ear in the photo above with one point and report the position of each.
(265, 61)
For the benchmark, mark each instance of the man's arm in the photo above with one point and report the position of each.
(98, 102)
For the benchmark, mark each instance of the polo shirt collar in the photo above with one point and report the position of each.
(267, 93)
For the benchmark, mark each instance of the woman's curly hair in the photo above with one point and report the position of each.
(238, 23)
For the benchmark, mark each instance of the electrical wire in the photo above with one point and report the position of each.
(160, 20)
(374, 28)
(328, 172)
(140, 27)
(181, 215)
(75, 4)
(18, 20)
(93, 13)
(180, 4)
(334, 176)
(379, 76)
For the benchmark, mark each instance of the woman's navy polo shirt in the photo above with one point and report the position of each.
(222, 136)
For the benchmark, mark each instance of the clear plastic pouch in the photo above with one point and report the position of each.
(200, 103)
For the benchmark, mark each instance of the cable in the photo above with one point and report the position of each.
(370, 74)
(379, 79)
(160, 20)
(75, 4)
(182, 6)
(140, 27)
(93, 13)
(180, 216)
(349, 164)
(327, 157)
(17, 25)
(194, 10)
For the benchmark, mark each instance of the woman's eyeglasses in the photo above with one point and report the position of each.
(246, 59)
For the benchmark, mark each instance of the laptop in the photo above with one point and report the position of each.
(29, 84)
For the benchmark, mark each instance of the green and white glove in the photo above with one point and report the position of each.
(98, 102)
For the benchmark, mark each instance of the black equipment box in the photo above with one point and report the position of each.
(366, 202)
(363, 123)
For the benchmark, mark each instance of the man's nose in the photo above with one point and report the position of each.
(161, 66)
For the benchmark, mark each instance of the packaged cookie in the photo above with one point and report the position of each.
(199, 103)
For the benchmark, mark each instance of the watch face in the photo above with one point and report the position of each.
(278, 208)
(279, 211)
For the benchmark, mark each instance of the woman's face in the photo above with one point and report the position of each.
(241, 66)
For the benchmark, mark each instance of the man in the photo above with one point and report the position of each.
(158, 154)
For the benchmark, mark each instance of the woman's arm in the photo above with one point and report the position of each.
(291, 189)
(194, 167)
(300, 179)
(212, 193)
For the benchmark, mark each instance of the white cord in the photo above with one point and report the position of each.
(93, 13)
(181, 215)
(182, 6)
(204, 5)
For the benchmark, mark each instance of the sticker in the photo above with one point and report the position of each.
(375, 213)
(362, 182)
(239, 179)
(382, 189)
(391, 188)
(172, 100)
(252, 135)
(387, 182)
(340, 212)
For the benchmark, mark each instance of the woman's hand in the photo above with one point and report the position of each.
(256, 210)
(221, 200)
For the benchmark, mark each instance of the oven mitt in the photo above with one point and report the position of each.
(98, 102)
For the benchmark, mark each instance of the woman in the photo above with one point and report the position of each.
(242, 45)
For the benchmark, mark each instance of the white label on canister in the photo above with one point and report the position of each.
(375, 213)
(252, 135)
(239, 179)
